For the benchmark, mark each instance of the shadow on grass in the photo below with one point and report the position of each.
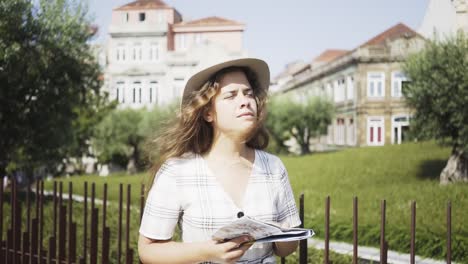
(431, 169)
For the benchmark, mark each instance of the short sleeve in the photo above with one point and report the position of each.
(162, 208)
(286, 204)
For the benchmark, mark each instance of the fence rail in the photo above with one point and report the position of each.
(26, 246)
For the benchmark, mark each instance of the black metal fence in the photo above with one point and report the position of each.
(26, 246)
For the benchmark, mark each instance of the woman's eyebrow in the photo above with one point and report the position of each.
(229, 91)
(234, 90)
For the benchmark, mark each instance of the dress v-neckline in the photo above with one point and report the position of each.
(223, 190)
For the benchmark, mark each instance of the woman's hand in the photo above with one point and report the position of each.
(282, 249)
(228, 252)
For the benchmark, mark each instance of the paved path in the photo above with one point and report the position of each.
(370, 253)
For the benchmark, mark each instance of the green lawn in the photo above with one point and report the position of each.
(113, 181)
(399, 174)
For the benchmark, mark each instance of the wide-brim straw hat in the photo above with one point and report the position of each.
(257, 66)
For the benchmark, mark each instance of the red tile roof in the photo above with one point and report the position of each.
(144, 4)
(209, 21)
(397, 31)
(329, 55)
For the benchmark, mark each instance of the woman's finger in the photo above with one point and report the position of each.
(236, 242)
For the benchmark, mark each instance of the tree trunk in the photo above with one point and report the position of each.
(456, 169)
(132, 162)
(131, 167)
(305, 148)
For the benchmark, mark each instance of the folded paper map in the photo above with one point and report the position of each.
(260, 231)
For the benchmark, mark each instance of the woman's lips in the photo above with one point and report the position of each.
(246, 114)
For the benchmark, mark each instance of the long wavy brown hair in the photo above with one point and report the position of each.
(190, 132)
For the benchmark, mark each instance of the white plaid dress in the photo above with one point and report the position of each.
(186, 192)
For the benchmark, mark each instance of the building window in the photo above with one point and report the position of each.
(350, 87)
(400, 129)
(336, 92)
(154, 52)
(139, 95)
(350, 132)
(340, 131)
(198, 38)
(181, 42)
(375, 84)
(397, 79)
(153, 92)
(339, 90)
(120, 92)
(375, 131)
(330, 135)
(160, 17)
(120, 53)
(125, 17)
(137, 53)
(136, 87)
(329, 90)
(178, 86)
(141, 17)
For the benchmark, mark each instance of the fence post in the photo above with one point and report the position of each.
(119, 235)
(128, 251)
(70, 222)
(449, 232)
(355, 230)
(302, 243)
(85, 223)
(326, 259)
(62, 225)
(94, 227)
(383, 243)
(1, 220)
(41, 224)
(13, 218)
(413, 231)
(105, 239)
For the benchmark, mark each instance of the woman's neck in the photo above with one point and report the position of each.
(226, 148)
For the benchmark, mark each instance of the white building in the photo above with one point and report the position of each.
(152, 52)
(444, 17)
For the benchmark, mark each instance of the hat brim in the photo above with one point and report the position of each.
(257, 66)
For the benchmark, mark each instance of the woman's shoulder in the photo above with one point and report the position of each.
(185, 159)
(175, 167)
(270, 161)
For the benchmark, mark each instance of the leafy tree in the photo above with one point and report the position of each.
(299, 120)
(119, 136)
(153, 123)
(438, 92)
(125, 135)
(50, 83)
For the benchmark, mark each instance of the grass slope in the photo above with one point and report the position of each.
(399, 174)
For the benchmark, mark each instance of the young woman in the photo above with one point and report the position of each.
(213, 170)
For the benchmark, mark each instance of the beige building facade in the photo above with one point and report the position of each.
(365, 85)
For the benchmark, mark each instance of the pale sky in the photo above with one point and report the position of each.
(284, 31)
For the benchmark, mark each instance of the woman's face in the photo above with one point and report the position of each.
(234, 109)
